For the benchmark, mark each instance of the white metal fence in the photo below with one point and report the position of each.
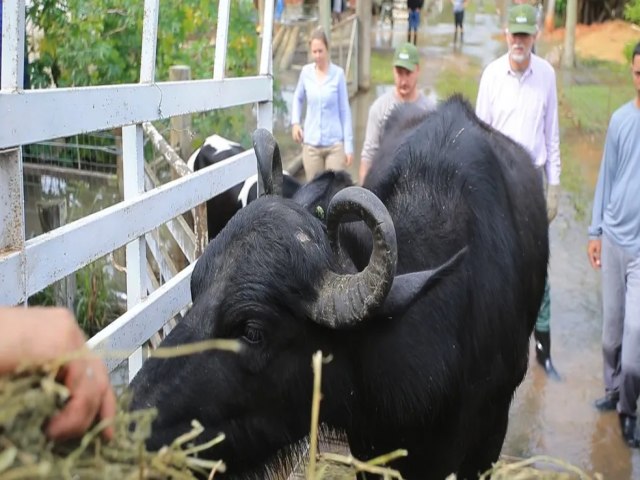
(28, 116)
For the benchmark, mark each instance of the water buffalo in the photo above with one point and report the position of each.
(223, 206)
(425, 297)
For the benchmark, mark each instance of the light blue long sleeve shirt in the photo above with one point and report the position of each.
(328, 116)
(616, 204)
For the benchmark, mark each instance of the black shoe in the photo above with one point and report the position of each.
(608, 402)
(543, 354)
(628, 427)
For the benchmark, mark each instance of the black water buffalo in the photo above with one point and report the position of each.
(425, 304)
(223, 206)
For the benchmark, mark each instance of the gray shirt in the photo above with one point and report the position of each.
(378, 113)
(616, 205)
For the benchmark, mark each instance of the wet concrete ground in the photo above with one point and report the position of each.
(547, 417)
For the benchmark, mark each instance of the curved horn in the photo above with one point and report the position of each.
(345, 300)
(269, 163)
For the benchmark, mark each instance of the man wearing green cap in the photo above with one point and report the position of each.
(517, 96)
(406, 69)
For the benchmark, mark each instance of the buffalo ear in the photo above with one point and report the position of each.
(407, 288)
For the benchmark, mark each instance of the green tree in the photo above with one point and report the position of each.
(92, 43)
(632, 11)
(99, 42)
(632, 14)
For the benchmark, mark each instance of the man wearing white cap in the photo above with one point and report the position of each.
(517, 96)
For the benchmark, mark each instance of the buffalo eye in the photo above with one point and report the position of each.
(252, 334)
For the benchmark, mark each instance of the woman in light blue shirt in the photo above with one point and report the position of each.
(327, 138)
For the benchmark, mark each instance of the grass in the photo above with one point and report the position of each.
(459, 80)
(381, 74)
(586, 104)
(589, 107)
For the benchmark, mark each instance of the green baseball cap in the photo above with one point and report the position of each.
(522, 19)
(406, 56)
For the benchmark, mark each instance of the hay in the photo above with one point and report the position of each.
(532, 468)
(30, 396)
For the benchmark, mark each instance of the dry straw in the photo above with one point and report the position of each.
(31, 396)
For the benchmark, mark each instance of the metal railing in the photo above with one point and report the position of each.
(29, 116)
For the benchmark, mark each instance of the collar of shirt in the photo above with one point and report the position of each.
(511, 72)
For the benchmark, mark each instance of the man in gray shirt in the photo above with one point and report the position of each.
(406, 69)
(614, 246)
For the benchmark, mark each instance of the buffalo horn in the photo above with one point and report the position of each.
(344, 300)
(269, 163)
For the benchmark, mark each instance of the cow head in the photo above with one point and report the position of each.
(272, 281)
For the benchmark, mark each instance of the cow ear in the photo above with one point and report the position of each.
(269, 163)
(407, 288)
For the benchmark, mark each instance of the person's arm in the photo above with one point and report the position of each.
(35, 336)
(552, 135)
(371, 140)
(345, 116)
(601, 196)
(296, 109)
(552, 144)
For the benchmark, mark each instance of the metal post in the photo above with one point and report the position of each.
(133, 172)
(222, 35)
(265, 109)
(11, 180)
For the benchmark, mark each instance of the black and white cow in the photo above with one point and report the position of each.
(426, 304)
(223, 206)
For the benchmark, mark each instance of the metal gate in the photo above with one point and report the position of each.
(28, 116)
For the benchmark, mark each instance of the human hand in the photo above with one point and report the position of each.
(297, 133)
(594, 251)
(36, 336)
(553, 195)
(349, 159)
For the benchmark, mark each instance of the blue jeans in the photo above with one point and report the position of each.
(414, 20)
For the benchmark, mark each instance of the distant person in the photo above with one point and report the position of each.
(414, 7)
(327, 138)
(39, 335)
(458, 19)
(279, 9)
(406, 70)
(337, 7)
(517, 96)
(614, 247)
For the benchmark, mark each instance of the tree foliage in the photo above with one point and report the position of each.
(99, 42)
(632, 11)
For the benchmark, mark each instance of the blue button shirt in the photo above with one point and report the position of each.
(328, 117)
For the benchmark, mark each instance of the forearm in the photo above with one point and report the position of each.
(363, 170)
(36, 335)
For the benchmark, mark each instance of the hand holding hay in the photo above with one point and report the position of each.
(31, 337)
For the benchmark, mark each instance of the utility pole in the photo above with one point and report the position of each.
(569, 54)
(363, 11)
